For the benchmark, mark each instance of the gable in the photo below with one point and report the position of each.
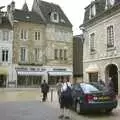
(47, 9)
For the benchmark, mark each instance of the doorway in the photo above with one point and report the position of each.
(3, 81)
(112, 71)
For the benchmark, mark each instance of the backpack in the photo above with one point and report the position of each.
(67, 92)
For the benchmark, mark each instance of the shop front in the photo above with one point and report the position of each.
(29, 77)
(56, 74)
(3, 76)
(92, 72)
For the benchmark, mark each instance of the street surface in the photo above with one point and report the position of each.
(27, 105)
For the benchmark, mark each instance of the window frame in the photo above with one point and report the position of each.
(5, 35)
(37, 35)
(23, 54)
(24, 34)
(56, 54)
(110, 36)
(5, 55)
(36, 54)
(92, 42)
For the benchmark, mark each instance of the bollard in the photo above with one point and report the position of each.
(51, 94)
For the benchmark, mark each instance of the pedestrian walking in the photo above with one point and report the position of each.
(45, 90)
(58, 87)
(65, 100)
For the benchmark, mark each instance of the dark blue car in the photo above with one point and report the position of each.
(92, 97)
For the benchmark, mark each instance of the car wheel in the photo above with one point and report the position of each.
(78, 108)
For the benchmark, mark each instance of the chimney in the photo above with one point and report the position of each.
(8, 8)
(0, 17)
(12, 6)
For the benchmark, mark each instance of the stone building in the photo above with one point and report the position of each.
(42, 43)
(101, 27)
(6, 38)
(58, 40)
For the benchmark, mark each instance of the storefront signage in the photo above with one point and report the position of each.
(59, 69)
(29, 69)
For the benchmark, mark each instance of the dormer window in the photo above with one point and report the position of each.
(109, 3)
(92, 11)
(54, 17)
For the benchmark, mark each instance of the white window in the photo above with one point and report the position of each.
(109, 3)
(110, 36)
(4, 55)
(37, 54)
(37, 35)
(23, 54)
(92, 44)
(54, 17)
(92, 11)
(56, 54)
(65, 54)
(61, 54)
(23, 34)
(5, 35)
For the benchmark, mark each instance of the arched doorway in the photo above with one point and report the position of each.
(112, 71)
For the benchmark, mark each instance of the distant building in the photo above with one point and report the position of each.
(101, 29)
(78, 58)
(42, 44)
(6, 39)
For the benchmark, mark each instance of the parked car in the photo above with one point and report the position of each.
(92, 97)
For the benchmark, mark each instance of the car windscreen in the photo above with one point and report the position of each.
(88, 88)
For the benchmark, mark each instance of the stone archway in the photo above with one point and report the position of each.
(112, 71)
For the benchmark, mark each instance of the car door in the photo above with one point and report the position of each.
(76, 92)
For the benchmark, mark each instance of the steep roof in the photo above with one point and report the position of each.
(5, 23)
(46, 8)
(100, 10)
(25, 7)
(27, 16)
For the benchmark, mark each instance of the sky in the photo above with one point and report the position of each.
(74, 9)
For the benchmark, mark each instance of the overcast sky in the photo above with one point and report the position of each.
(74, 9)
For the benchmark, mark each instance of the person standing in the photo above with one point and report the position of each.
(58, 87)
(45, 90)
(110, 86)
(65, 100)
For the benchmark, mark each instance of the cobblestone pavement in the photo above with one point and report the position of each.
(27, 105)
(27, 110)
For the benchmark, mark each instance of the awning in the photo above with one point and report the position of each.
(60, 73)
(3, 71)
(93, 68)
(30, 73)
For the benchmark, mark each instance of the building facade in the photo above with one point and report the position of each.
(58, 40)
(41, 44)
(6, 39)
(101, 28)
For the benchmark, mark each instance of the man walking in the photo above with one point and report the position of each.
(45, 90)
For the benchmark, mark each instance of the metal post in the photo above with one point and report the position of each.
(51, 94)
